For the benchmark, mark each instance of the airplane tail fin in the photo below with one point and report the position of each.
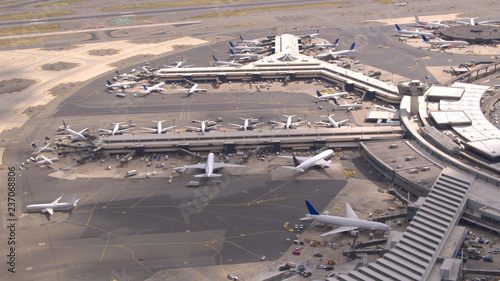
(215, 59)
(231, 51)
(425, 38)
(65, 125)
(145, 88)
(33, 144)
(295, 161)
(117, 72)
(352, 46)
(241, 38)
(336, 41)
(231, 44)
(73, 200)
(318, 93)
(397, 27)
(335, 102)
(311, 209)
(109, 83)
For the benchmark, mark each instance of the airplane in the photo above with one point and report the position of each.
(49, 208)
(330, 96)
(124, 76)
(120, 85)
(155, 88)
(289, 124)
(313, 35)
(73, 134)
(351, 222)
(331, 122)
(404, 4)
(116, 129)
(335, 55)
(179, 64)
(246, 124)
(244, 49)
(309, 162)
(193, 89)
(325, 45)
(41, 149)
(250, 42)
(203, 126)
(412, 33)
(46, 161)
(430, 24)
(348, 106)
(225, 63)
(159, 129)
(443, 43)
(209, 167)
(245, 56)
(472, 21)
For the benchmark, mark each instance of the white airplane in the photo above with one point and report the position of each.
(246, 124)
(348, 106)
(49, 208)
(203, 126)
(73, 134)
(193, 89)
(331, 122)
(209, 167)
(312, 35)
(155, 88)
(245, 56)
(471, 21)
(309, 162)
(46, 161)
(335, 55)
(225, 63)
(42, 149)
(244, 49)
(404, 4)
(412, 33)
(179, 64)
(125, 76)
(159, 127)
(250, 42)
(430, 24)
(444, 43)
(116, 129)
(325, 45)
(351, 222)
(330, 96)
(123, 85)
(289, 124)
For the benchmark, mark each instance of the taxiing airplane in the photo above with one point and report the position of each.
(73, 134)
(193, 89)
(179, 64)
(116, 129)
(125, 76)
(203, 126)
(325, 45)
(159, 127)
(309, 162)
(209, 167)
(336, 54)
(42, 149)
(46, 161)
(225, 63)
(49, 208)
(155, 88)
(471, 21)
(245, 56)
(331, 123)
(247, 125)
(244, 49)
(249, 42)
(412, 33)
(289, 124)
(348, 106)
(120, 85)
(351, 222)
(404, 4)
(444, 43)
(430, 24)
(330, 96)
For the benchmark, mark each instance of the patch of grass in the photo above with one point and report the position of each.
(244, 24)
(7, 3)
(59, 3)
(22, 41)
(174, 4)
(386, 1)
(244, 12)
(140, 18)
(36, 15)
(29, 29)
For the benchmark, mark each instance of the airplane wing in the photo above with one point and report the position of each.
(195, 166)
(193, 128)
(222, 165)
(106, 130)
(123, 130)
(339, 230)
(340, 122)
(325, 163)
(168, 128)
(297, 123)
(50, 211)
(300, 158)
(236, 125)
(48, 160)
(151, 129)
(57, 200)
(81, 132)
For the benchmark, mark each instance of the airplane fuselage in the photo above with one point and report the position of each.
(311, 162)
(209, 167)
(43, 207)
(350, 222)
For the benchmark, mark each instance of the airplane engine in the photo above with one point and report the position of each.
(354, 233)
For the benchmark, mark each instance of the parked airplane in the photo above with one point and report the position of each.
(325, 45)
(348, 106)
(430, 24)
(245, 56)
(225, 63)
(404, 4)
(116, 129)
(155, 88)
(209, 167)
(312, 35)
(193, 89)
(244, 49)
(179, 64)
(309, 162)
(336, 54)
(49, 208)
(471, 21)
(120, 85)
(42, 149)
(125, 76)
(73, 134)
(46, 161)
(331, 122)
(159, 127)
(330, 96)
(203, 126)
(351, 222)
(444, 43)
(247, 124)
(289, 124)
(250, 42)
(413, 33)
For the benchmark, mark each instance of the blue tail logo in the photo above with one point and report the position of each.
(241, 38)
(311, 209)
(145, 88)
(231, 44)
(397, 27)
(425, 38)
(215, 59)
(336, 41)
(318, 93)
(352, 46)
(232, 52)
(109, 83)
(336, 103)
